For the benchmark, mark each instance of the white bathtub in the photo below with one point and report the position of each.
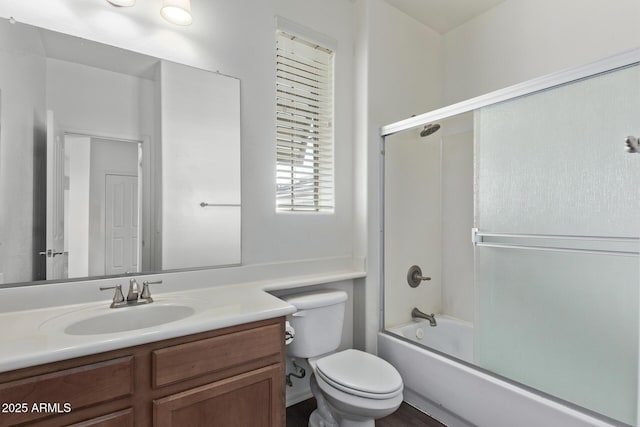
(451, 336)
(460, 395)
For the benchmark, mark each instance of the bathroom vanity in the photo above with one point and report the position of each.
(222, 365)
(228, 376)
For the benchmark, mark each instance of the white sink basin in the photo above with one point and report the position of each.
(128, 319)
(108, 321)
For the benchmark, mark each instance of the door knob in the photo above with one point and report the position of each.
(50, 253)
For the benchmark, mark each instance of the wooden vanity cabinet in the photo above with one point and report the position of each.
(242, 400)
(231, 376)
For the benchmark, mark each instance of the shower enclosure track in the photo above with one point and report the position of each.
(477, 238)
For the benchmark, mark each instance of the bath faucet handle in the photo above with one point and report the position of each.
(146, 293)
(415, 277)
(118, 297)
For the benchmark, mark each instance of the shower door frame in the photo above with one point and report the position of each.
(559, 78)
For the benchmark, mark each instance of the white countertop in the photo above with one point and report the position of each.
(34, 337)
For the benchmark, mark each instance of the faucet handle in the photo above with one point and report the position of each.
(157, 282)
(146, 293)
(415, 277)
(118, 297)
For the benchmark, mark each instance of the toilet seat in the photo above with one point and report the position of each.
(360, 374)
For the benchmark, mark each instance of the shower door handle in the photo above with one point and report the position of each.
(633, 144)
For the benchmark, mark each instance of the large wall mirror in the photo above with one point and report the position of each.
(112, 162)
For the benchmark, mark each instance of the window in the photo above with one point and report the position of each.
(304, 131)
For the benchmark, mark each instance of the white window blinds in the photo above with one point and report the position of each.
(304, 132)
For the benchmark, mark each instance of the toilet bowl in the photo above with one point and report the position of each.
(352, 388)
(358, 387)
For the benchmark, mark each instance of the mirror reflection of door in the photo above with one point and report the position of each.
(55, 251)
(102, 205)
(121, 224)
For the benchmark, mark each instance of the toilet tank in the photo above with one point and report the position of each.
(317, 322)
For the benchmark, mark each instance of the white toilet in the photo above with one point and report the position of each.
(352, 388)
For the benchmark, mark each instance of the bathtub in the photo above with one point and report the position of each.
(451, 336)
(460, 395)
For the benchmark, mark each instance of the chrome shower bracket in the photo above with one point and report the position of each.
(415, 277)
(475, 238)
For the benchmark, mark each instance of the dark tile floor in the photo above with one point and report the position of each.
(406, 416)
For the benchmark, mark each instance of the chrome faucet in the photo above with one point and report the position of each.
(415, 313)
(134, 291)
(134, 297)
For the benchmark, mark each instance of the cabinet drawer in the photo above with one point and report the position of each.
(78, 387)
(122, 418)
(184, 361)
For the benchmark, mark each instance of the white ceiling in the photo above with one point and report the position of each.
(444, 15)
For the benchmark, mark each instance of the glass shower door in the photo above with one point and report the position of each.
(557, 213)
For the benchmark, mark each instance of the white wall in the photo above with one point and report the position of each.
(522, 39)
(400, 64)
(457, 221)
(22, 143)
(428, 221)
(413, 219)
(405, 65)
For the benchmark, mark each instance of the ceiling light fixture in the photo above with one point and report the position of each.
(122, 3)
(177, 11)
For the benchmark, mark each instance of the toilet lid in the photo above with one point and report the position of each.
(361, 374)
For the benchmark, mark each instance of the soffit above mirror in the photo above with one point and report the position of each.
(99, 55)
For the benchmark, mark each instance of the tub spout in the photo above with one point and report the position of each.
(415, 313)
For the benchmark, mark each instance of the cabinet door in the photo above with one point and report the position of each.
(79, 387)
(252, 399)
